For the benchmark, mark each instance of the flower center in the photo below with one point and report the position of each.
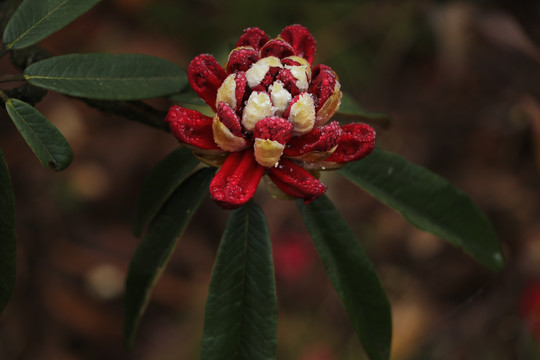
(269, 89)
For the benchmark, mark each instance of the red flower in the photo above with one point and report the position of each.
(272, 111)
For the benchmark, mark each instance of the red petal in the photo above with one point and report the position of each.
(356, 142)
(237, 180)
(273, 128)
(295, 181)
(191, 127)
(323, 82)
(253, 37)
(206, 76)
(241, 92)
(301, 40)
(278, 48)
(229, 118)
(289, 81)
(322, 139)
(241, 59)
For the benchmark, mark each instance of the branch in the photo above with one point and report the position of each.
(132, 110)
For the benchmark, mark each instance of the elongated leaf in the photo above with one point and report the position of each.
(108, 76)
(429, 202)
(241, 312)
(8, 239)
(155, 248)
(49, 145)
(352, 274)
(160, 183)
(35, 20)
(349, 110)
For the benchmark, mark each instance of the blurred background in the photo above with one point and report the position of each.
(461, 82)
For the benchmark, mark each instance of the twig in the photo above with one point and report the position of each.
(11, 77)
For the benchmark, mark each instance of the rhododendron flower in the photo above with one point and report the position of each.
(272, 117)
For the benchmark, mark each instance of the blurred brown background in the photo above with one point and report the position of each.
(461, 81)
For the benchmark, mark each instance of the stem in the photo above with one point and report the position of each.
(3, 52)
(3, 96)
(11, 77)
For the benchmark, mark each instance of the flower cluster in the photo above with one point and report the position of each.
(272, 117)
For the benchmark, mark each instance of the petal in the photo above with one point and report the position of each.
(301, 113)
(267, 152)
(316, 145)
(229, 118)
(262, 73)
(253, 37)
(295, 181)
(323, 84)
(286, 77)
(205, 77)
(301, 40)
(329, 107)
(278, 48)
(191, 128)
(356, 142)
(258, 107)
(273, 128)
(232, 91)
(237, 180)
(241, 59)
(226, 139)
(280, 97)
(271, 134)
(300, 70)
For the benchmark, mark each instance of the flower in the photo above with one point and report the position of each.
(272, 117)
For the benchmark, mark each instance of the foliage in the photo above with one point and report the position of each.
(241, 310)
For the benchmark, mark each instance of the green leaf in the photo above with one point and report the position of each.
(188, 96)
(164, 178)
(429, 202)
(49, 145)
(241, 310)
(35, 20)
(189, 99)
(108, 76)
(8, 238)
(156, 247)
(352, 274)
(350, 111)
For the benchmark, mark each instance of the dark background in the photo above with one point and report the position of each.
(461, 82)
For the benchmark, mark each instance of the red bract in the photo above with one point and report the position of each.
(272, 109)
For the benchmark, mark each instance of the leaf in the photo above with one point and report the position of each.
(160, 183)
(352, 274)
(49, 145)
(108, 76)
(156, 247)
(350, 111)
(8, 238)
(187, 98)
(241, 310)
(429, 202)
(34, 20)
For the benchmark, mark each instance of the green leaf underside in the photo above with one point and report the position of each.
(8, 239)
(47, 143)
(241, 309)
(156, 247)
(188, 96)
(349, 108)
(108, 76)
(164, 178)
(352, 274)
(35, 20)
(429, 202)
